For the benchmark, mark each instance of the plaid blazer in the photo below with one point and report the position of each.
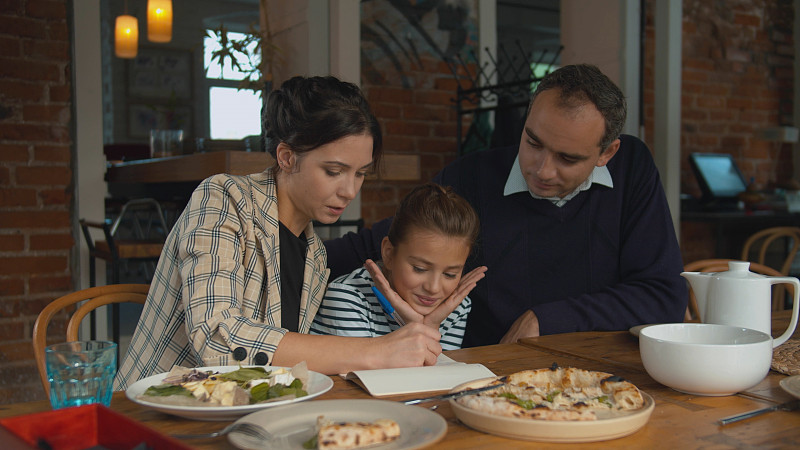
(216, 288)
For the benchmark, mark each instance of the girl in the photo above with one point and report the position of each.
(423, 256)
(242, 273)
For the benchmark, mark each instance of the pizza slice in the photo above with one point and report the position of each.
(350, 435)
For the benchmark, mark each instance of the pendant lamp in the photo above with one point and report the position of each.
(159, 20)
(126, 36)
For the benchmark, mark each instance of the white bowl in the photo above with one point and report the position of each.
(705, 359)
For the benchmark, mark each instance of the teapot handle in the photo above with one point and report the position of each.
(795, 304)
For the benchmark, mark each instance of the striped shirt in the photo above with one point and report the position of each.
(350, 308)
(216, 289)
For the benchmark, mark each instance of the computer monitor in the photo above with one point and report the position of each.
(718, 176)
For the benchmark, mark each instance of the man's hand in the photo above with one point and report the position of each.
(526, 325)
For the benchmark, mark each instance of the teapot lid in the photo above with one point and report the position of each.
(739, 270)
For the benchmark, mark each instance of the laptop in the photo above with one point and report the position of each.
(719, 178)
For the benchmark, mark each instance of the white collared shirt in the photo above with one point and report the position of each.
(516, 183)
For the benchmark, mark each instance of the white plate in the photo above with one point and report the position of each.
(419, 427)
(792, 385)
(553, 431)
(318, 384)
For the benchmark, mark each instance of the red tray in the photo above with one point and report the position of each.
(82, 427)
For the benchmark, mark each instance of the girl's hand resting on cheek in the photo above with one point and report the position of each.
(465, 286)
(435, 318)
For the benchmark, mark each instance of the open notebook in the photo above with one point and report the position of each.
(445, 375)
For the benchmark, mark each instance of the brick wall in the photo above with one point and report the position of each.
(411, 89)
(737, 78)
(420, 121)
(36, 238)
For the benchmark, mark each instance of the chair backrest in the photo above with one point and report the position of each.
(146, 217)
(721, 265)
(762, 240)
(96, 296)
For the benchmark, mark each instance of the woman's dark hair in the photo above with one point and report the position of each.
(582, 83)
(309, 112)
(434, 208)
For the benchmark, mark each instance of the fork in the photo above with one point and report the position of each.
(248, 429)
(788, 406)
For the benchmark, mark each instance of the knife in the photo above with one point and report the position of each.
(788, 406)
(414, 401)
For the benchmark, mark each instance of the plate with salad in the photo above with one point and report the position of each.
(227, 392)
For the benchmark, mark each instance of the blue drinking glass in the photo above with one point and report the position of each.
(81, 372)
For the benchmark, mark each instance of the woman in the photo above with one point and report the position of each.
(242, 273)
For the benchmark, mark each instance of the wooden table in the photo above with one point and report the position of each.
(678, 421)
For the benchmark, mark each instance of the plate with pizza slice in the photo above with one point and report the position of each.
(324, 424)
(555, 405)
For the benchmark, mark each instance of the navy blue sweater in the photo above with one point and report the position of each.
(606, 260)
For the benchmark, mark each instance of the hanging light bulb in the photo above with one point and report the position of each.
(126, 36)
(159, 20)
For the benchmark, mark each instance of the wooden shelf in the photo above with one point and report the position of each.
(194, 167)
(199, 166)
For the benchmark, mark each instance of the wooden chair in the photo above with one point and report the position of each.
(763, 240)
(756, 248)
(136, 236)
(144, 240)
(95, 297)
(721, 265)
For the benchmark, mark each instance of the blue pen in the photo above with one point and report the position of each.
(387, 307)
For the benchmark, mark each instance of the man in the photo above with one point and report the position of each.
(575, 228)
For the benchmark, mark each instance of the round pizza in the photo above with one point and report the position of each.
(557, 393)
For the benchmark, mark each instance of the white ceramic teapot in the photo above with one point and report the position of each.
(741, 298)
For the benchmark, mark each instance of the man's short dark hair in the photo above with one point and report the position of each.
(581, 83)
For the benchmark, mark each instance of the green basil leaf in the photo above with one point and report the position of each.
(311, 443)
(245, 374)
(165, 390)
(259, 392)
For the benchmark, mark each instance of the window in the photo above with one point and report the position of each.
(539, 70)
(233, 113)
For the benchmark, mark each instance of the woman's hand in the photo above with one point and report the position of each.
(411, 346)
(435, 318)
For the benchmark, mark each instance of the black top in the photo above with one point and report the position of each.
(293, 257)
